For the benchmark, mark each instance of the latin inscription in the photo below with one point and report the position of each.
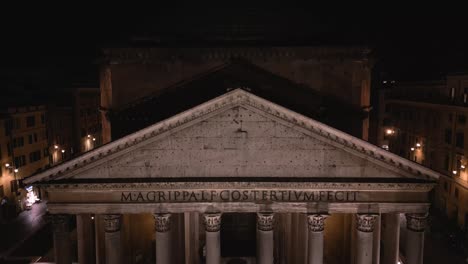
(238, 196)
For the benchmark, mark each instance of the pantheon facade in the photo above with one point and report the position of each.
(274, 170)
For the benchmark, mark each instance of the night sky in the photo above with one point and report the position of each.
(51, 49)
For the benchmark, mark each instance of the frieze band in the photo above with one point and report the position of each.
(112, 222)
(365, 222)
(265, 221)
(416, 222)
(316, 222)
(162, 222)
(238, 196)
(212, 222)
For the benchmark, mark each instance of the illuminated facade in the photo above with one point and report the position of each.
(198, 170)
(23, 149)
(427, 122)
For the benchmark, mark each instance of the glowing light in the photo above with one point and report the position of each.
(31, 198)
(462, 166)
(454, 172)
(63, 151)
(399, 262)
(7, 165)
(389, 131)
(89, 136)
(94, 139)
(412, 149)
(55, 147)
(418, 145)
(16, 170)
(92, 217)
(385, 147)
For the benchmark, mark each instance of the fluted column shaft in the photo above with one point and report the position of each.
(414, 247)
(390, 238)
(265, 225)
(316, 226)
(365, 228)
(163, 238)
(85, 238)
(62, 243)
(212, 223)
(112, 224)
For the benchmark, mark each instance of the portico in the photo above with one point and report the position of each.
(312, 188)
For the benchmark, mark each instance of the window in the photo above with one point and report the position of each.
(34, 156)
(42, 119)
(447, 162)
(9, 149)
(46, 152)
(456, 192)
(30, 139)
(17, 123)
(30, 121)
(18, 142)
(8, 127)
(452, 93)
(462, 119)
(35, 137)
(20, 161)
(446, 186)
(450, 117)
(460, 141)
(448, 136)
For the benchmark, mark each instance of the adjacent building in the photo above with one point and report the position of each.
(426, 122)
(23, 149)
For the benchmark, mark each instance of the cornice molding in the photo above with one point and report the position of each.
(411, 187)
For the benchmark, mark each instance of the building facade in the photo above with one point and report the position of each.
(23, 148)
(426, 122)
(239, 178)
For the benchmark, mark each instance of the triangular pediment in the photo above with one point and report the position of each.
(237, 135)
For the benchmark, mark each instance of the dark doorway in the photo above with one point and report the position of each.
(238, 235)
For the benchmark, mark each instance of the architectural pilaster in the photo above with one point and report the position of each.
(212, 223)
(163, 238)
(316, 226)
(365, 227)
(62, 243)
(414, 246)
(112, 224)
(265, 225)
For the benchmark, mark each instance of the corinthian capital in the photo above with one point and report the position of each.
(212, 222)
(316, 222)
(365, 222)
(162, 222)
(416, 222)
(265, 221)
(112, 222)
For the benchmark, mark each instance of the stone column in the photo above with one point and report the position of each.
(265, 224)
(414, 248)
(112, 235)
(85, 238)
(62, 243)
(316, 224)
(390, 227)
(212, 223)
(364, 239)
(163, 238)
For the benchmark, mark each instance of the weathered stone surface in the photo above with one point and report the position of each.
(238, 142)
